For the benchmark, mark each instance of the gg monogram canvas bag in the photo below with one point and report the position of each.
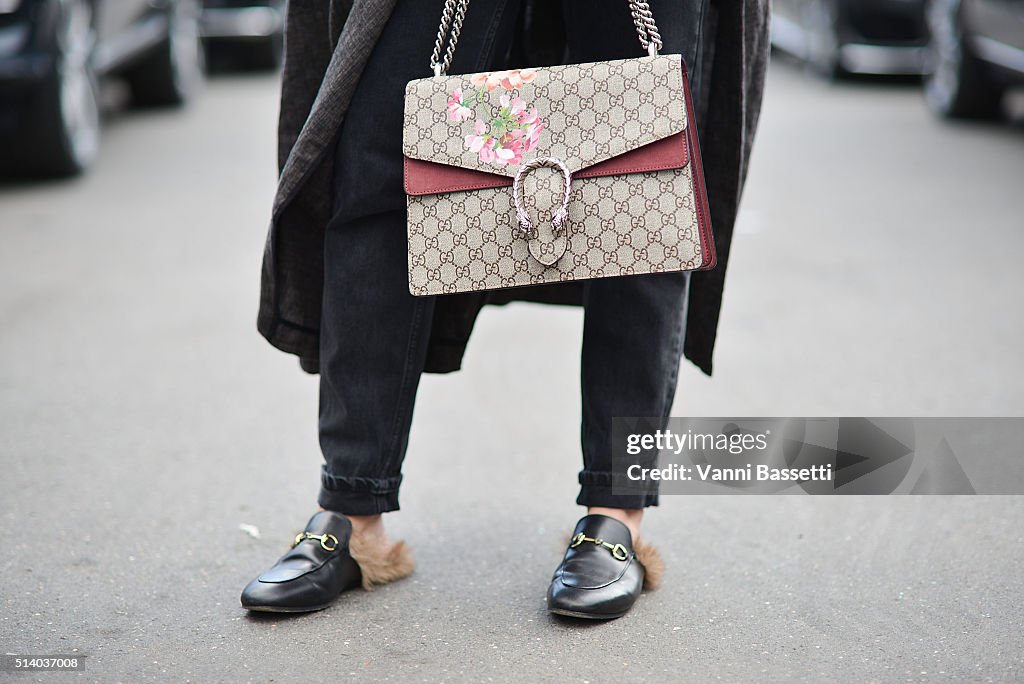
(532, 176)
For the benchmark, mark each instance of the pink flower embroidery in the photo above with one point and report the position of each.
(509, 80)
(476, 142)
(457, 110)
(485, 80)
(517, 78)
(513, 132)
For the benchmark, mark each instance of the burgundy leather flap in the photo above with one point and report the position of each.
(431, 178)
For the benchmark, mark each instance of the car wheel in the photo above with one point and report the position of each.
(62, 136)
(175, 69)
(821, 27)
(957, 84)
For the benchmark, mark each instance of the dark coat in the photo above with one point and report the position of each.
(328, 44)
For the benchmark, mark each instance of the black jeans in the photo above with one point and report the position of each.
(374, 334)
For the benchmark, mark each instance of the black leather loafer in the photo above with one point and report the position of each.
(312, 574)
(600, 577)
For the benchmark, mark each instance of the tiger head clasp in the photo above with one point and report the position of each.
(559, 217)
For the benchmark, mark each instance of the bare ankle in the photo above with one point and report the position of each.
(370, 529)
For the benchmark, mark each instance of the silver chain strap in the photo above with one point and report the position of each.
(451, 17)
(646, 29)
(454, 13)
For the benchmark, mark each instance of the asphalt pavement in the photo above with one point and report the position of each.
(143, 422)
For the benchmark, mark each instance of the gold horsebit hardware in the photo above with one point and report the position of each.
(619, 552)
(322, 538)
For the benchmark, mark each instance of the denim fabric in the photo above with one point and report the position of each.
(373, 346)
(374, 334)
(374, 342)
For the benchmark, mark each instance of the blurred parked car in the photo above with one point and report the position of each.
(976, 53)
(52, 53)
(838, 37)
(251, 31)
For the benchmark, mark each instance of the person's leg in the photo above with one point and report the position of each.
(373, 343)
(632, 345)
(371, 355)
(374, 334)
(615, 380)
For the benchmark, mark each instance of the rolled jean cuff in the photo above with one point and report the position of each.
(596, 489)
(358, 495)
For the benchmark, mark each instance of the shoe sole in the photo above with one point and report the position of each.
(284, 609)
(585, 616)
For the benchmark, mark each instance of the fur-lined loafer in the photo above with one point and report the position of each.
(324, 561)
(313, 573)
(602, 574)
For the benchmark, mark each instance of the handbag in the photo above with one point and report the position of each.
(531, 176)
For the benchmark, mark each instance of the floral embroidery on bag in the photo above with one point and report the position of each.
(512, 131)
